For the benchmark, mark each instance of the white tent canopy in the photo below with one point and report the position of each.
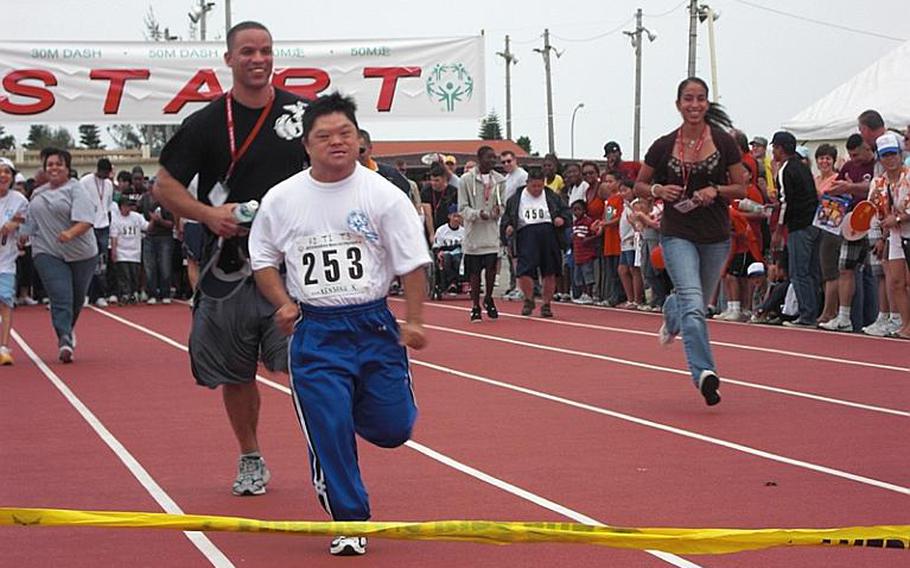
(884, 86)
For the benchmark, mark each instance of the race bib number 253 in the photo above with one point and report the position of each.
(330, 265)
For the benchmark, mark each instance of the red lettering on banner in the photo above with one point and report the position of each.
(12, 83)
(190, 92)
(390, 76)
(320, 81)
(118, 79)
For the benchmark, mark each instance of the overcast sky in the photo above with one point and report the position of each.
(772, 61)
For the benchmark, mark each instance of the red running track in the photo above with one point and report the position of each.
(642, 450)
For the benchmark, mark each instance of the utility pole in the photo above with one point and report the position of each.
(693, 35)
(197, 15)
(546, 63)
(635, 36)
(510, 60)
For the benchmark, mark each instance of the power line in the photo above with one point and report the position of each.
(598, 36)
(668, 12)
(819, 22)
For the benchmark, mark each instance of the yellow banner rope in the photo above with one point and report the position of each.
(679, 541)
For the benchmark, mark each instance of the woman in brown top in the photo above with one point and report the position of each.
(696, 170)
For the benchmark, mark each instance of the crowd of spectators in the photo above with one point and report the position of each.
(824, 249)
(808, 249)
(139, 253)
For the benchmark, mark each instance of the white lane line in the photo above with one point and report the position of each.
(442, 458)
(534, 498)
(672, 429)
(770, 350)
(631, 363)
(199, 540)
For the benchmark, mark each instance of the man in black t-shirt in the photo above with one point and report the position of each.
(240, 145)
(799, 201)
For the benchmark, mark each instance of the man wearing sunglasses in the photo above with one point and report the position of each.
(516, 177)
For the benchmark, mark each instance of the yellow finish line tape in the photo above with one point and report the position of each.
(679, 541)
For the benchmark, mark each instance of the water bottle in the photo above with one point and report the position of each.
(246, 212)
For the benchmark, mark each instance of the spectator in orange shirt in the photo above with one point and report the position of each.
(613, 206)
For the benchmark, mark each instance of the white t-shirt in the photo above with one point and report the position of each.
(533, 210)
(579, 193)
(13, 204)
(102, 193)
(343, 242)
(626, 229)
(515, 179)
(128, 229)
(446, 236)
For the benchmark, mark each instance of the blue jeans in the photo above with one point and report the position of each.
(804, 268)
(157, 261)
(98, 288)
(695, 271)
(66, 284)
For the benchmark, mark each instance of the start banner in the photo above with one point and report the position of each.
(164, 82)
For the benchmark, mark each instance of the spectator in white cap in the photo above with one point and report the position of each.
(13, 206)
(891, 192)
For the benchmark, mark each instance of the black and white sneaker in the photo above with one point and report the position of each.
(348, 546)
(475, 315)
(492, 312)
(708, 385)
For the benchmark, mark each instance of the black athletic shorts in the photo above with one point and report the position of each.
(474, 263)
(538, 249)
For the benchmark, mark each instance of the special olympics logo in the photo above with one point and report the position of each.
(450, 84)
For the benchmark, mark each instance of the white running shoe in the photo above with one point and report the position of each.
(65, 354)
(730, 315)
(101, 303)
(837, 324)
(152, 301)
(349, 546)
(166, 301)
(112, 299)
(664, 337)
(252, 476)
(880, 328)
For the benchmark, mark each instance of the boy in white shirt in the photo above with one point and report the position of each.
(126, 249)
(13, 206)
(344, 233)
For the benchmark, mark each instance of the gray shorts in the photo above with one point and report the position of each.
(230, 336)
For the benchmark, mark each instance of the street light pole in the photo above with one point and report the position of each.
(227, 17)
(578, 106)
(693, 35)
(636, 43)
(712, 16)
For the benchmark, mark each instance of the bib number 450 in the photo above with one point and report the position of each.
(331, 265)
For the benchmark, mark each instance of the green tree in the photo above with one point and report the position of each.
(524, 143)
(490, 128)
(90, 136)
(125, 135)
(42, 136)
(7, 141)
